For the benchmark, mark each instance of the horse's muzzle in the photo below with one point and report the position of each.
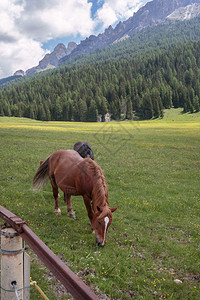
(99, 243)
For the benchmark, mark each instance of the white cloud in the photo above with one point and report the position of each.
(116, 10)
(25, 25)
(106, 15)
(56, 19)
(22, 54)
(15, 48)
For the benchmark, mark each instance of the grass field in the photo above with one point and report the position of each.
(153, 171)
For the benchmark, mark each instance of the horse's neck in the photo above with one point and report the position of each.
(99, 188)
(100, 202)
(100, 195)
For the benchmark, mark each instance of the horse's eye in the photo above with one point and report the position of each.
(99, 222)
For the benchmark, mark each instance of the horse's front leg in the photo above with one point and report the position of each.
(88, 205)
(67, 198)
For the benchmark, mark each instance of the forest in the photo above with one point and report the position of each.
(140, 77)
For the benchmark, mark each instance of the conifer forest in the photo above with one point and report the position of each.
(157, 69)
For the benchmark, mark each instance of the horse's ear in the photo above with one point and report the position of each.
(114, 209)
(99, 209)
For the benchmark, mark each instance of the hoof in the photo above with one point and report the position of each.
(72, 215)
(57, 211)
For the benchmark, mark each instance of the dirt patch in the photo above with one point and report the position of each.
(193, 277)
(59, 290)
(129, 293)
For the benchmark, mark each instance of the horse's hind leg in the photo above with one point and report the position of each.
(55, 194)
(67, 198)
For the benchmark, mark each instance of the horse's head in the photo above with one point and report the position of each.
(100, 223)
(84, 149)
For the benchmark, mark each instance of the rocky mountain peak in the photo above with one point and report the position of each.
(155, 12)
(59, 47)
(185, 13)
(19, 73)
(109, 30)
(51, 60)
(71, 46)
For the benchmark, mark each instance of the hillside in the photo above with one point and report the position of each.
(144, 86)
(6, 80)
(152, 15)
(178, 115)
(169, 115)
(150, 39)
(164, 36)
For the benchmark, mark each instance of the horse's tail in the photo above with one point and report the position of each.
(41, 176)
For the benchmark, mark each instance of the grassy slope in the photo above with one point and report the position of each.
(152, 169)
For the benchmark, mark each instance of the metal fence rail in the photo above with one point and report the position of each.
(77, 288)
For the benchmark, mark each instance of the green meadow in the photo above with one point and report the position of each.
(153, 172)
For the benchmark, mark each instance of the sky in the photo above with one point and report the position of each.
(31, 28)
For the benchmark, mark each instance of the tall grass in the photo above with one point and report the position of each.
(152, 170)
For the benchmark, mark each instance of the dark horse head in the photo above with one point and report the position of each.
(84, 149)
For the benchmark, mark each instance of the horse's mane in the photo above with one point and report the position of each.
(100, 189)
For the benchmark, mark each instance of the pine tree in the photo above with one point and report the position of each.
(188, 76)
(155, 96)
(104, 108)
(76, 111)
(92, 112)
(1, 110)
(82, 110)
(147, 106)
(57, 113)
(196, 104)
(129, 111)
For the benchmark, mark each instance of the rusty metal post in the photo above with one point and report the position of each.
(11, 265)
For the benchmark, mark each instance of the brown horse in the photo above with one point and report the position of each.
(74, 175)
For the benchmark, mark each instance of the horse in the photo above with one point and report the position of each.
(74, 175)
(84, 149)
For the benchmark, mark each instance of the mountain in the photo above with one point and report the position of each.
(51, 60)
(139, 85)
(152, 14)
(152, 69)
(19, 73)
(185, 13)
(6, 80)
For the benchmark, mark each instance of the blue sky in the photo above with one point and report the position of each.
(31, 28)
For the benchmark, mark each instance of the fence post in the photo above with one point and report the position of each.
(11, 265)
